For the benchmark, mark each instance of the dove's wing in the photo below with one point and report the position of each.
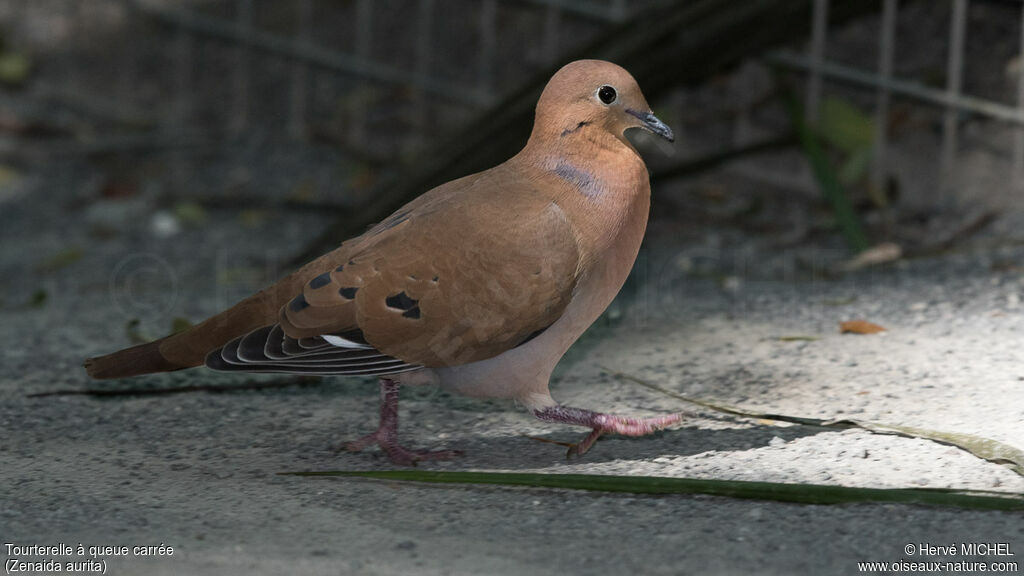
(427, 287)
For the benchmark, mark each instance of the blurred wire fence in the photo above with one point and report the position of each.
(952, 98)
(219, 69)
(209, 71)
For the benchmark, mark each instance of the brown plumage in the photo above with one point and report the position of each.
(479, 285)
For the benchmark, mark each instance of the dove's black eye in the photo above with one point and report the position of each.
(606, 94)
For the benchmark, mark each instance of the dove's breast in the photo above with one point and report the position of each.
(523, 372)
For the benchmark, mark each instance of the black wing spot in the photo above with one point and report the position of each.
(435, 279)
(401, 301)
(298, 303)
(340, 268)
(413, 312)
(320, 281)
(348, 293)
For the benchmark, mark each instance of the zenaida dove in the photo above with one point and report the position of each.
(479, 285)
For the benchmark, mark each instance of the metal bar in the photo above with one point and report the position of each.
(742, 126)
(173, 144)
(618, 10)
(909, 89)
(182, 110)
(127, 81)
(885, 58)
(819, 29)
(240, 106)
(954, 85)
(300, 72)
(552, 23)
(357, 95)
(79, 37)
(1018, 141)
(678, 100)
(424, 42)
(102, 107)
(182, 78)
(19, 15)
(487, 32)
(315, 56)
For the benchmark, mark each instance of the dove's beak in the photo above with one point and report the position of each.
(651, 123)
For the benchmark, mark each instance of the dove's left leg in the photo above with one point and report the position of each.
(386, 435)
(601, 423)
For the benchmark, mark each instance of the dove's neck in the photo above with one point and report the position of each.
(599, 181)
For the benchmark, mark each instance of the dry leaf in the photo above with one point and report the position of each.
(859, 327)
(878, 254)
(60, 260)
(119, 188)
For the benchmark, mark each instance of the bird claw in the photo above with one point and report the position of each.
(608, 423)
(580, 448)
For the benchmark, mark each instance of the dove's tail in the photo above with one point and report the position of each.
(141, 359)
(190, 347)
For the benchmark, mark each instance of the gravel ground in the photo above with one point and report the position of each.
(710, 313)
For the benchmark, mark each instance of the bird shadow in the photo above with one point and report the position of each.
(523, 452)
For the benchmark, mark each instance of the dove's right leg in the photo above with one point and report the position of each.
(601, 423)
(386, 435)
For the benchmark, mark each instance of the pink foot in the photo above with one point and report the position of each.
(386, 435)
(601, 423)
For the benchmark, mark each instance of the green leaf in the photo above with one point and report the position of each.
(190, 213)
(855, 168)
(782, 492)
(828, 181)
(15, 67)
(984, 448)
(845, 126)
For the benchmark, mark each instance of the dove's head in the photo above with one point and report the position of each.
(588, 95)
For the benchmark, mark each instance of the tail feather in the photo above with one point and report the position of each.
(141, 359)
(190, 347)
